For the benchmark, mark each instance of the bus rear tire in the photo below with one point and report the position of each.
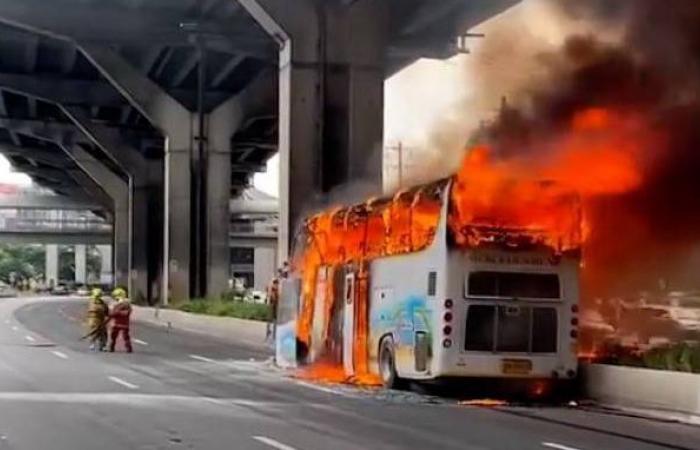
(387, 365)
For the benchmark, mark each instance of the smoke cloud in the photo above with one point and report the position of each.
(639, 60)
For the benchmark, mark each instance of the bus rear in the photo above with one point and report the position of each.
(513, 314)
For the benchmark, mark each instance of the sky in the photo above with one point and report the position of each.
(8, 176)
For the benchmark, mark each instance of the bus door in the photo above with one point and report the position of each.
(349, 324)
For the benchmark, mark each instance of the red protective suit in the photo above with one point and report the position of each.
(120, 315)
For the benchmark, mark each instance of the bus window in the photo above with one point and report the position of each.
(432, 284)
(513, 329)
(513, 285)
(480, 323)
(544, 330)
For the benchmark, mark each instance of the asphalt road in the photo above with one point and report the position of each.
(183, 391)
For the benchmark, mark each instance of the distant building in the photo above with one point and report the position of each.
(254, 223)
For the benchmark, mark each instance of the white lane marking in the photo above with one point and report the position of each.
(59, 354)
(202, 358)
(15, 328)
(558, 446)
(122, 382)
(140, 342)
(29, 338)
(273, 443)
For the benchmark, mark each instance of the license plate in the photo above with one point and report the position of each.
(516, 366)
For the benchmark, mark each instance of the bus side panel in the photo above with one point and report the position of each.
(401, 307)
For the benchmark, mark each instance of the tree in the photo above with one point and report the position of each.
(24, 261)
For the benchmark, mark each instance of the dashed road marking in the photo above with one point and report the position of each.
(59, 354)
(273, 443)
(140, 342)
(29, 338)
(202, 358)
(122, 382)
(558, 446)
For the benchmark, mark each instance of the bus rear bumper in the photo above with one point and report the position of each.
(508, 366)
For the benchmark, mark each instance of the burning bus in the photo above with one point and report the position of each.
(471, 276)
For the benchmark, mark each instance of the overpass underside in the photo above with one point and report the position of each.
(160, 111)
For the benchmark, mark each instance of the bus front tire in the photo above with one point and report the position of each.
(387, 365)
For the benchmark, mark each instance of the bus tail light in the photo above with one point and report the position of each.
(449, 303)
(447, 330)
(573, 334)
(574, 309)
(447, 343)
(447, 317)
(574, 321)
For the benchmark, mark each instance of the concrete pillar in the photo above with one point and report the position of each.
(143, 180)
(196, 262)
(51, 266)
(264, 266)
(106, 275)
(176, 124)
(119, 190)
(80, 264)
(331, 98)
(222, 123)
(140, 212)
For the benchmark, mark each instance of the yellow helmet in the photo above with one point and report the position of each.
(119, 293)
(96, 293)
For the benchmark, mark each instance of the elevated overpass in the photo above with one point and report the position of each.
(159, 111)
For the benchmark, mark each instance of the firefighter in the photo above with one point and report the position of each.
(97, 318)
(121, 313)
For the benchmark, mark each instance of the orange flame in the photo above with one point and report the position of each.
(513, 201)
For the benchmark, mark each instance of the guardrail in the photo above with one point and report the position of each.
(24, 225)
(658, 392)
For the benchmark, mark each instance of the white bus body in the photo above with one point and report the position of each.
(446, 311)
(518, 321)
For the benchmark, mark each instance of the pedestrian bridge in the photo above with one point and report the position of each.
(55, 231)
(50, 219)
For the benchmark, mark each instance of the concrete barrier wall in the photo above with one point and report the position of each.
(247, 332)
(674, 393)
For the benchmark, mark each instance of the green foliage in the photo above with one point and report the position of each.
(680, 357)
(223, 307)
(25, 261)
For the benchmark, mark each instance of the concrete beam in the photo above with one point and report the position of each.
(62, 90)
(54, 238)
(110, 23)
(40, 154)
(55, 133)
(69, 91)
(32, 201)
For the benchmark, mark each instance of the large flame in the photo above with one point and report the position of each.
(509, 201)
